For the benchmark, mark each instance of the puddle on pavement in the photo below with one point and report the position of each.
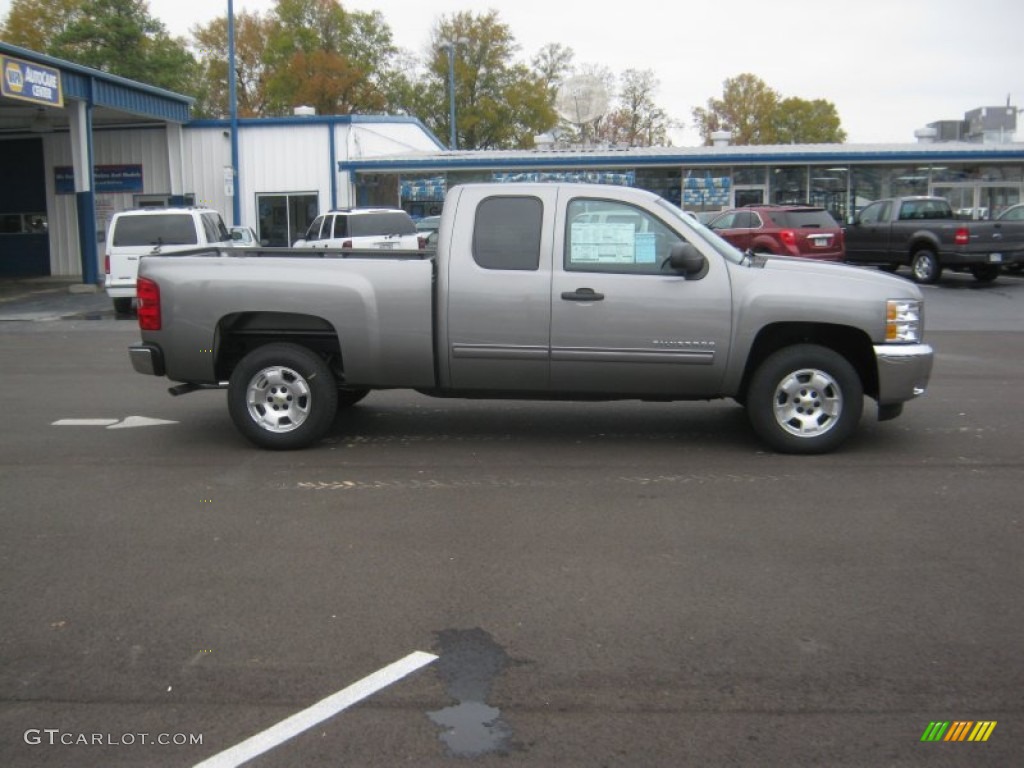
(469, 661)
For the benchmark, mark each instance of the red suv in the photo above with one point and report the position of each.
(785, 230)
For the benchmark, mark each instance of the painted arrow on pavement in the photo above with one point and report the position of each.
(128, 422)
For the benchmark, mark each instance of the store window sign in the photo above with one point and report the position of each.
(31, 82)
(107, 178)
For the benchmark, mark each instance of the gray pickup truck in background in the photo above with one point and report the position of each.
(546, 291)
(925, 233)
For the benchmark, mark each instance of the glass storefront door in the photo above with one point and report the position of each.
(284, 218)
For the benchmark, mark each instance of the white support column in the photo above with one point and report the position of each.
(81, 154)
(176, 159)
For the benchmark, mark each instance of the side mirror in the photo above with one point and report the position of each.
(687, 260)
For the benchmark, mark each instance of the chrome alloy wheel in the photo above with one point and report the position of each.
(808, 403)
(278, 399)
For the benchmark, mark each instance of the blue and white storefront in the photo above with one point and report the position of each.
(78, 145)
(979, 179)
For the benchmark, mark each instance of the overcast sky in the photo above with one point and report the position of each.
(889, 66)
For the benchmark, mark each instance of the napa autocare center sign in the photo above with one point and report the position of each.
(27, 81)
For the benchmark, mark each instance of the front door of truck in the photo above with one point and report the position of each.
(497, 284)
(621, 322)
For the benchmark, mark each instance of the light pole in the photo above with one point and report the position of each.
(236, 203)
(449, 46)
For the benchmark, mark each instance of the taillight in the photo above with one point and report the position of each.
(788, 237)
(148, 293)
(346, 244)
(421, 242)
(106, 264)
(962, 236)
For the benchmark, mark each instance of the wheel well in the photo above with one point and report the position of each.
(240, 333)
(921, 245)
(851, 343)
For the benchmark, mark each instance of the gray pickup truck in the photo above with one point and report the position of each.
(546, 291)
(925, 233)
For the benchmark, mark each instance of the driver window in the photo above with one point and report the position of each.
(607, 236)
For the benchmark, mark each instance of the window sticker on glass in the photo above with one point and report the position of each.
(602, 243)
(646, 247)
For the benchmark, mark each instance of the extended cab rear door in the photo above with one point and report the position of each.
(494, 330)
(621, 322)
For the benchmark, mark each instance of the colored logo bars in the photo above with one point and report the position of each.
(959, 730)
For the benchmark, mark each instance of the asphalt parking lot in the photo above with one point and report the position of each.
(617, 584)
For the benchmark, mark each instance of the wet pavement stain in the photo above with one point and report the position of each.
(469, 661)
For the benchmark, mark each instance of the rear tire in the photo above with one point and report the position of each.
(123, 306)
(282, 397)
(986, 273)
(805, 399)
(925, 267)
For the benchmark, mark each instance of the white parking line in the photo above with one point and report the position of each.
(323, 709)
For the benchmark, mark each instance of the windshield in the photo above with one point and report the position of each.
(725, 249)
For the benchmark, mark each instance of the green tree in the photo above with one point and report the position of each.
(798, 121)
(34, 24)
(122, 38)
(500, 103)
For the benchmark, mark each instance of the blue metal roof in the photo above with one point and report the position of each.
(111, 91)
(689, 156)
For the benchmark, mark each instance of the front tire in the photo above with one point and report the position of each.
(805, 399)
(282, 397)
(925, 267)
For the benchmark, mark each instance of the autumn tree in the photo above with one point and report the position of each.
(499, 103)
(756, 114)
(210, 42)
(746, 109)
(798, 121)
(324, 56)
(35, 24)
(637, 121)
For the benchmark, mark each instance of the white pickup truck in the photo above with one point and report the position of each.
(549, 291)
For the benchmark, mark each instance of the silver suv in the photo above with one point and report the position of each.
(386, 228)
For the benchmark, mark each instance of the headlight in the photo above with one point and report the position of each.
(903, 321)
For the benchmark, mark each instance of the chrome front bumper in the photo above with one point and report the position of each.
(903, 371)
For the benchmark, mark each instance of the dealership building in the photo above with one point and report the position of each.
(77, 145)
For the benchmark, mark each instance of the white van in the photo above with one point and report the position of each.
(134, 234)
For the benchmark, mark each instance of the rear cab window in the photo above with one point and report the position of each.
(155, 229)
(374, 224)
(507, 233)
